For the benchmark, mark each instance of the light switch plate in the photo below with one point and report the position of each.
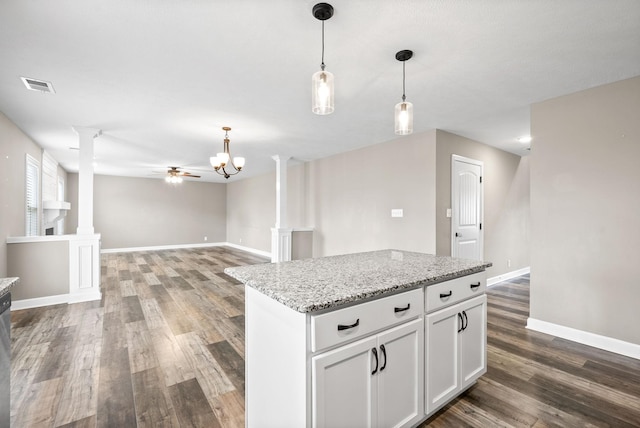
(397, 212)
(448, 212)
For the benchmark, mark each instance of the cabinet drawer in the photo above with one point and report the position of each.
(344, 325)
(456, 290)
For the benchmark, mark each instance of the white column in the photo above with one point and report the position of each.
(84, 248)
(85, 179)
(280, 234)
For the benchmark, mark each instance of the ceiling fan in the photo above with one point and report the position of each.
(174, 175)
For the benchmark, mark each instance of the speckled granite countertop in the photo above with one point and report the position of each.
(6, 284)
(315, 284)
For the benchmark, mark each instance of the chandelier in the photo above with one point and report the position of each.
(222, 161)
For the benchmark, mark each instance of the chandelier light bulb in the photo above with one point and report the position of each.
(223, 158)
(238, 161)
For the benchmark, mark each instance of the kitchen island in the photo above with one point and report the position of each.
(383, 338)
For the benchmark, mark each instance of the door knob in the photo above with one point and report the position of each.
(458, 235)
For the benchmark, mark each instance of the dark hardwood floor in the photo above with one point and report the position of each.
(165, 347)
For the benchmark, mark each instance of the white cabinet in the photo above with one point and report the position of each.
(374, 382)
(455, 350)
(320, 369)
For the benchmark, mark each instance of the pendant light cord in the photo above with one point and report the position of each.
(403, 91)
(322, 63)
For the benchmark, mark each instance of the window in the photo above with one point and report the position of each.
(31, 196)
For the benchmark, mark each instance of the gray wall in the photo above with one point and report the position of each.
(347, 199)
(50, 277)
(14, 146)
(251, 211)
(506, 201)
(350, 197)
(585, 201)
(140, 212)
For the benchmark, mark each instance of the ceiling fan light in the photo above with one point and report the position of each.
(167, 179)
(238, 161)
(322, 92)
(404, 118)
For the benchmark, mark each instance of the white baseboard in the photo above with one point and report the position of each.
(84, 297)
(591, 339)
(249, 250)
(179, 246)
(38, 302)
(506, 276)
(161, 247)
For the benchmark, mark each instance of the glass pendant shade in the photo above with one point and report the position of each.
(223, 158)
(238, 162)
(214, 161)
(322, 101)
(404, 118)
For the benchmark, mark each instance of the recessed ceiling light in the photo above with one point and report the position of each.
(38, 85)
(525, 139)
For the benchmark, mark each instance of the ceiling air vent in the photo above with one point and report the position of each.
(38, 85)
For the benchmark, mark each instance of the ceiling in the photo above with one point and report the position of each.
(161, 78)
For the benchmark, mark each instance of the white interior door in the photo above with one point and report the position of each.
(466, 208)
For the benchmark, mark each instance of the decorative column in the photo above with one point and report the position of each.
(84, 247)
(280, 234)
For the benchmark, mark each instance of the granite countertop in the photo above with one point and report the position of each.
(6, 284)
(327, 282)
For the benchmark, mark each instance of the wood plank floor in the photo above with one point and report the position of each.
(165, 347)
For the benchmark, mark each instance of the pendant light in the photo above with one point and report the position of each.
(322, 101)
(404, 110)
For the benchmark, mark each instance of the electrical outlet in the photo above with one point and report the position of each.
(240, 241)
(397, 212)
(509, 263)
(205, 238)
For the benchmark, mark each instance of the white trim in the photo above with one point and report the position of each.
(37, 302)
(586, 338)
(506, 276)
(249, 250)
(85, 297)
(161, 247)
(58, 299)
(179, 246)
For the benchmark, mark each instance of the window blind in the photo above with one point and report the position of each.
(31, 196)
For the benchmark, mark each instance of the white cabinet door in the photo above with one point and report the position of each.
(473, 340)
(400, 391)
(442, 356)
(344, 389)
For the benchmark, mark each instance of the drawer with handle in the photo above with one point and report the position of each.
(447, 293)
(353, 322)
